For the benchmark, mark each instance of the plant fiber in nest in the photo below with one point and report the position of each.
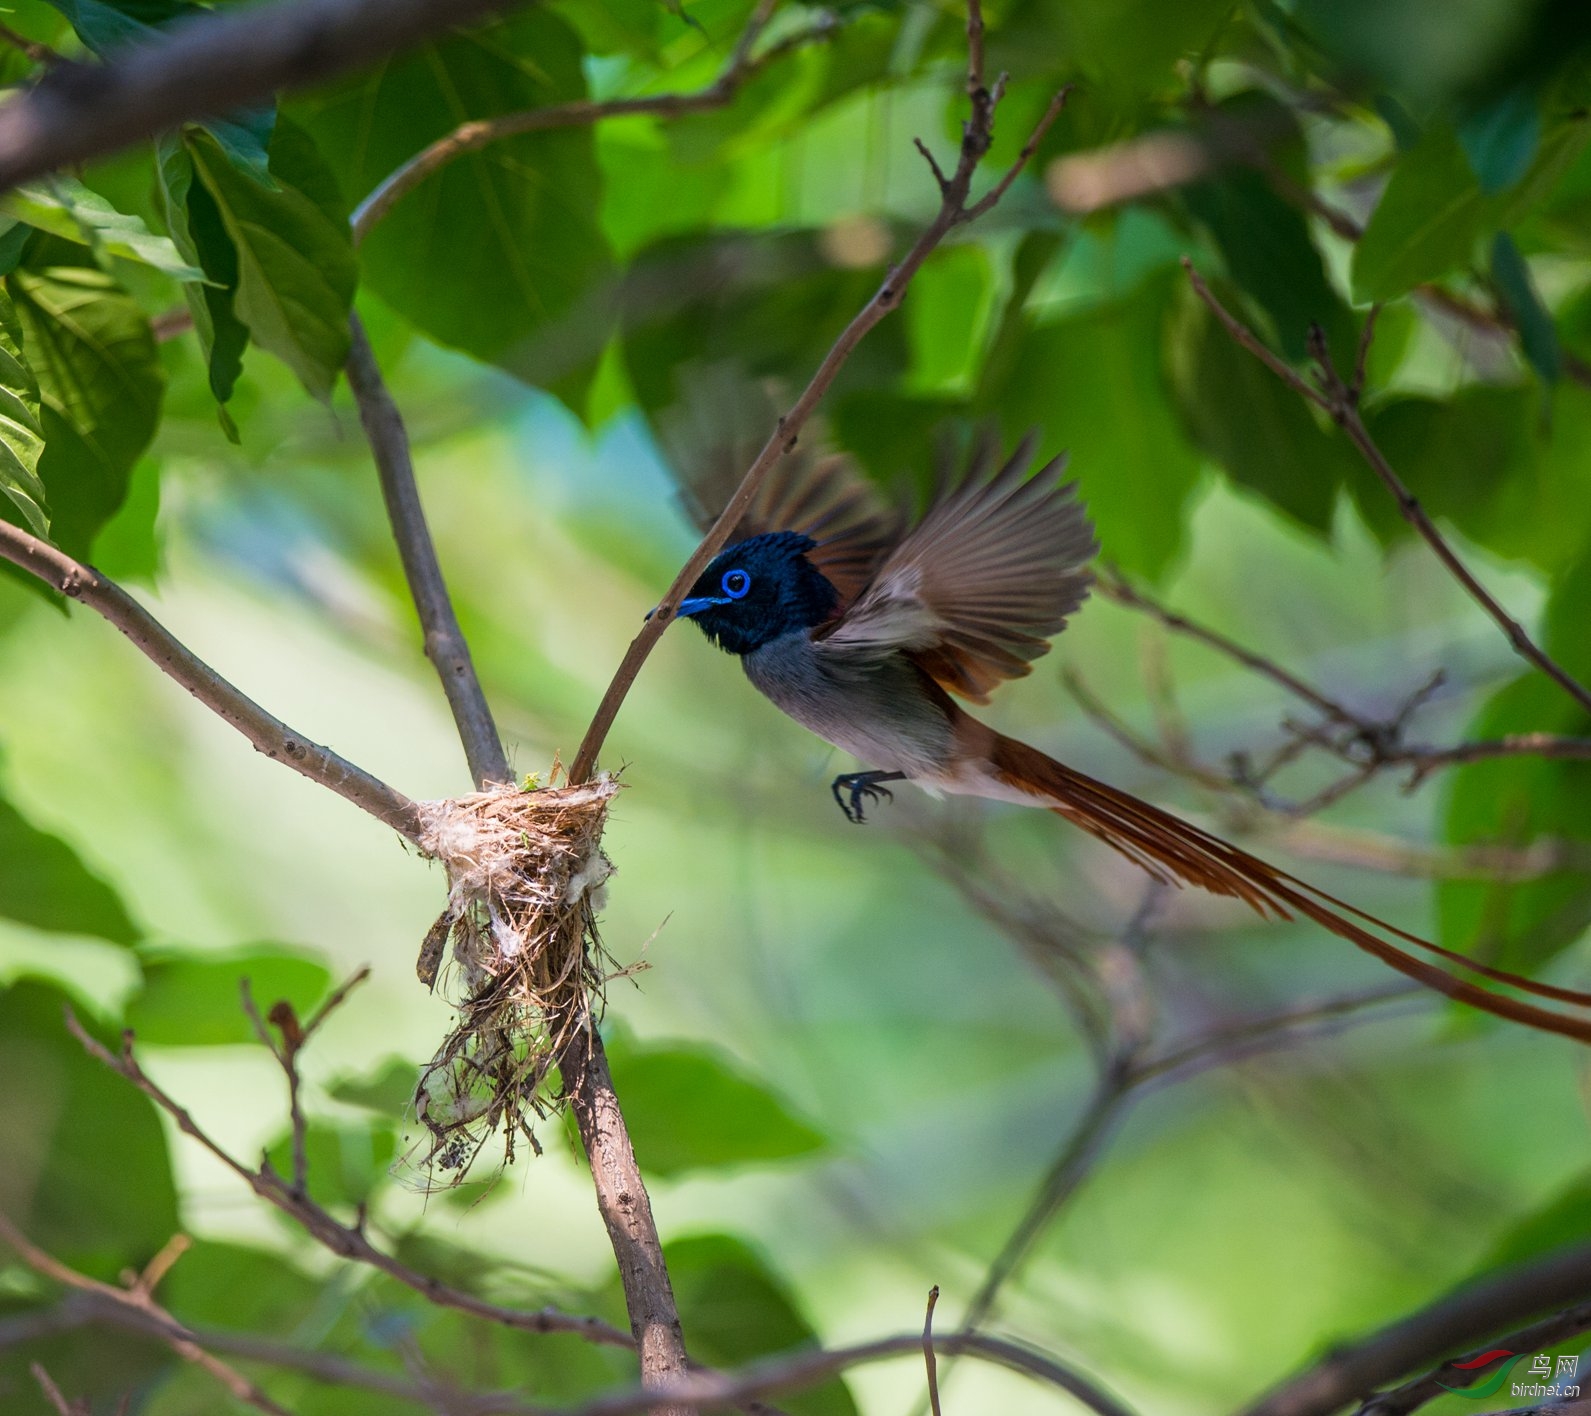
(523, 869)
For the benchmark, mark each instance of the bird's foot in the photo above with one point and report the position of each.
(857, 785)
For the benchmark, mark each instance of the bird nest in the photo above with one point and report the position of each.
(524, 869)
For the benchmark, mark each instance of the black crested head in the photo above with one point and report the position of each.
(759, 589)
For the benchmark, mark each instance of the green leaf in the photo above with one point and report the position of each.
(389, 1091)
(1486, 461)
(296, 268)
(86, 1175)
(501, 253)
(101, 385)
(1268, 251)
(346, 1163)
(1434, 210)
(693, 1109)
(44, 884)
(1501, 138)
(197, 1001)
(21, 433)
(737, 1309)
(64, 207)
(1426, 223)
(1092, 385)
(1517, 800)
(1564, 1219)
(770, 304)
(1259, 431)
(1520, 300)
(195, 224)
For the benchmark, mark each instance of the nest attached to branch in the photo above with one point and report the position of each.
(524, 871)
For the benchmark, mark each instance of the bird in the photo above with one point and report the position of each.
(867, 625)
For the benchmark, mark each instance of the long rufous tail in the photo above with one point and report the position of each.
(1175, 852)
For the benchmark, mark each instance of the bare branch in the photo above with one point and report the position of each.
(1457, 1373)
(38, 53)
(1470, 1314)
(475, 135)
(1341, 402)
(209, 64)
(1071, 1166)
(953, 211)
(445, 645)
(269, 734)
(627, 1213)
(1365, 740)
(346, 1241)
(52, 1393)
(713, 1390)
(178, 1338)
(930, 1363)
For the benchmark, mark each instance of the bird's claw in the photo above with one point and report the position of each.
(858, 785)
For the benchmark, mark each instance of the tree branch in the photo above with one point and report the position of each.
(1413, 1395)
(348, 1242)
(445, 645)
(206, 65)
(269, 734)
(139, 1298)
(716, 1390)
(1469, 1315)
(627, 1213)
(1340, 401)
(479, 133)
(977, 133)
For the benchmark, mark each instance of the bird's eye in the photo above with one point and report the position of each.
(736, 583)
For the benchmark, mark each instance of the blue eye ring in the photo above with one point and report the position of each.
(736, 584)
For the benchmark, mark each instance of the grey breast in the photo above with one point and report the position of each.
(873, 706)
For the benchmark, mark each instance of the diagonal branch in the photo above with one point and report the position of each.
(138, 1299)
(479, 133)
(445, 645)
(346, 1241)
(1340, 400)
(1470, 1314)
(954, 210)
(209, 64)
(268, 734)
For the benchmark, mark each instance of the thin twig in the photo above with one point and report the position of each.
(445, 645)
(711, 1390)
(178, 1338)
(1366, 740)
(477, 134)
(38, 53)
(930, 1362)
(1341, 403)
(348, 1242)
(52, 1393)
(953, 211)
(269, 734)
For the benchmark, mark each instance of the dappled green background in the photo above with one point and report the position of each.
(844, 1081)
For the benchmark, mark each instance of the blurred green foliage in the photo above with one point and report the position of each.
(841, 1079)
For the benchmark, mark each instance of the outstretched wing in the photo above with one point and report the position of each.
(714, 434)
(975, 591)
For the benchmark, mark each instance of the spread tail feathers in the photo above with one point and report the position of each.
(1174, 851)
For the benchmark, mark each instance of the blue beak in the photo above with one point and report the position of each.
(693, 606)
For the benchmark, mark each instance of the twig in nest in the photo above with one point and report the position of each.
(524, 868)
